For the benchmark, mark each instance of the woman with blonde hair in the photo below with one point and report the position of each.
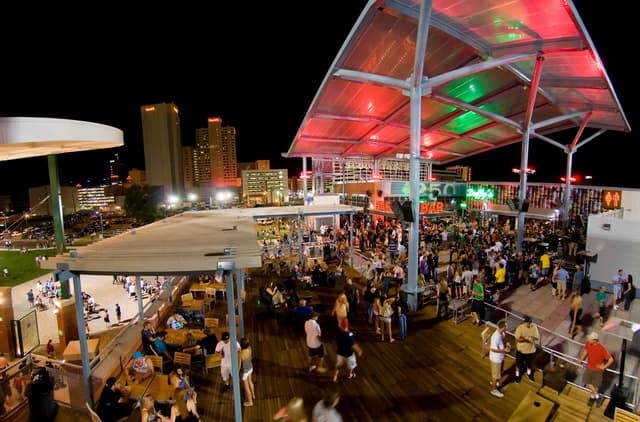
(292, 412)
(183, 409)
(386, 312)
(148, 412)
(341, 308)
(575, 313)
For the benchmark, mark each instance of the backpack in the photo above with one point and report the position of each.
(387, 310)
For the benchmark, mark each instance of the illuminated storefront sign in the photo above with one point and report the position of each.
(425, 207)
(480, 193)
(428, 190)
(611, 199)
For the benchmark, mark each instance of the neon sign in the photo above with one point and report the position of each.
(480, 193)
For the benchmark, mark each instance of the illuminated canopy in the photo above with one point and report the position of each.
(481, 61)
(24, 137)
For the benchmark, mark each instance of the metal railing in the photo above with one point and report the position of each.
(567, 350)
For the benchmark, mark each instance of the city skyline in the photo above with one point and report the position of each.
(262, 86)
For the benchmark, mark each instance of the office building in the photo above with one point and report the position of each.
(266, 187)
(162, 147)
(188, 166)
(224, 163)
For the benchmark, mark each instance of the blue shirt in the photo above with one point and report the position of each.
(562, 275)
(160, 346)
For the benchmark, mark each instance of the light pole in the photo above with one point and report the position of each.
(101, 226)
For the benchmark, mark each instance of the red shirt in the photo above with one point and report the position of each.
(597, 354)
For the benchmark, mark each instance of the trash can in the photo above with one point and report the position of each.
(39, 392)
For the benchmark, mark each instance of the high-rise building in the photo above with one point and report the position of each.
(222, 153)
(202, 160)
(229, 157)
(162, 147)
(188, 155)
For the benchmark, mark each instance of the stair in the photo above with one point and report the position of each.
(571, 402)
(572, 405)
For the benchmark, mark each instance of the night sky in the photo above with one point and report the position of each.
(241, 61)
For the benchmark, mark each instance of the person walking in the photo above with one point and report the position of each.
(293, 411)
(443, 293)
(597, 359)
(118, 313)
(578, 281)
(477, 305)
(325, 409)
(353, 297)
(497, 351)
(314, 343)
(527, 337)
(575, 315)
(346, 349)
(601, 299)
(106, 318)
(31, 298)
(562, 276)
(246, 364)
(340, 308)
(402, 309)
(223, 348)
(617, 281)
(629, 292)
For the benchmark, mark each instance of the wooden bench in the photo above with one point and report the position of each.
(622, 415)
(532, 408)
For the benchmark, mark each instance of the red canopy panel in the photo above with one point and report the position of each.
(479, 65)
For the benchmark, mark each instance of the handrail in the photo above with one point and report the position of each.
(630, 380)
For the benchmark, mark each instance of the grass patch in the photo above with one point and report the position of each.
(22, 266)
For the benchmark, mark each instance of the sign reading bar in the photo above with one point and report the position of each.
(611, 199)
(425, 207)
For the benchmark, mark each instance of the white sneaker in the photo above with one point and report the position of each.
(616, 307)
(497, 393)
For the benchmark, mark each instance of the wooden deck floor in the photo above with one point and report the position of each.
(436, 374)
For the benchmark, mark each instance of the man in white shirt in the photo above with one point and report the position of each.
(497, 351)
(224, 349)
(314, 343)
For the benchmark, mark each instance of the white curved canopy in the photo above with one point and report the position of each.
(25, 137)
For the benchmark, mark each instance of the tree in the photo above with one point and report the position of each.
(139, 204)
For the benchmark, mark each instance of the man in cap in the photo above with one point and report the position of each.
(598, 359)
(140, 368)
(224, 349)
(527, 337)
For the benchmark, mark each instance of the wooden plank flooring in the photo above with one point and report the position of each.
(436, 374)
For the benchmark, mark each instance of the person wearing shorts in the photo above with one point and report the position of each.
(246, 365)
(314, 343)
(597, 359)
(347, 348)
(223, 348)
(497, 350)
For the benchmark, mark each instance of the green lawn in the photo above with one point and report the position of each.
(22, 266)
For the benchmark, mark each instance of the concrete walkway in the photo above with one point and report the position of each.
(100, 287)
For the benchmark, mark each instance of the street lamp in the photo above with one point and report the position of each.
(101, 225)
(528, 170)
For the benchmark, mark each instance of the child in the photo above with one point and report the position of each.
(601, 299)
